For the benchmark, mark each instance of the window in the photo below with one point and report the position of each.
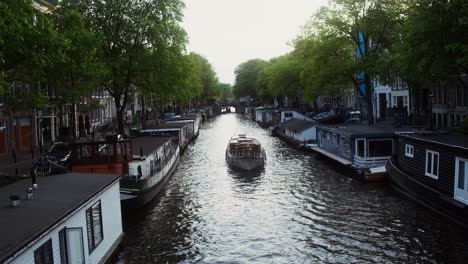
(288, 115)
(44, 254)
(86, 151)
(71, 245)
(432, 164)
(380, 148)
(461, 180)
(94, 226)
(361, 148)
(409, 151)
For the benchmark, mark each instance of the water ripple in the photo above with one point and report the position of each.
(299, 209)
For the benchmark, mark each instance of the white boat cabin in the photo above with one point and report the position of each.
(69, 218)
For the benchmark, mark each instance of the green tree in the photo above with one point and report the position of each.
(329, 65)
(130, 28)
(75, 71)
(283, 76)
(26, 37)
(370, 26)
(226, 89)
(246, 78)
(205, 77)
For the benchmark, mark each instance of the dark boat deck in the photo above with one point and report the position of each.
(148, 144)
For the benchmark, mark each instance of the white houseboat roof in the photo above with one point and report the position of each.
(243, 139)
(265, 108)
(58, 197)
(298, 124)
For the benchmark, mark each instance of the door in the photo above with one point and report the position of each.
(461, 180)
(71, 246)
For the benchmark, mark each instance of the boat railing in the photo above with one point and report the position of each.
(246, 153)
(370, 161)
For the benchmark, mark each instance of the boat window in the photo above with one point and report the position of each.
(86, 151)
(129, 148)
(409, 150)
(102, 150)
(119, 149)
(432, 164)
(151, 167)
(380, 148)
(111, 149)
(131, 171)
(360, 148)
(346, 147)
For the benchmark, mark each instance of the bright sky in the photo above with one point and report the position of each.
(230, 32)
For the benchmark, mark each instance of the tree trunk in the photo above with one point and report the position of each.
(143, 111)
(73, 120)
(370, 110)
(120, 121)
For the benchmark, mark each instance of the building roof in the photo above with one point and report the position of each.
(298, 124)
(57, 197)
(148, 144)
(447, 139)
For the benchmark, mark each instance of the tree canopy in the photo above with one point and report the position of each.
(246, 78)
(133, 32)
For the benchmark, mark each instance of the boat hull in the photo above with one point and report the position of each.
(246, 163)
(146, 190)
(425, 195)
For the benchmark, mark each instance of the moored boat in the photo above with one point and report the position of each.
(144, 164)
(245, 153)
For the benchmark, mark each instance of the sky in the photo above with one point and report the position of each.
(230, 32)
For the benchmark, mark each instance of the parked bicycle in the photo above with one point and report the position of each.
(55, 161)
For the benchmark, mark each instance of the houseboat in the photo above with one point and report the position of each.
(287, 114)
(144, 164)
(190, 125)
(68, 218)
(197, 119)
(365, 149)
(245, 153)
(264, 115)
(178, 130)
(432, 168)
(297, 132)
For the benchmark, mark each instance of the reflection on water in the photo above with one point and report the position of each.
(298, 209)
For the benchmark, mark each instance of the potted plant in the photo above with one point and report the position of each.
(14, 200)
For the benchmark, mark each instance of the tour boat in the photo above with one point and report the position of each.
(144, 164)
(245, 153)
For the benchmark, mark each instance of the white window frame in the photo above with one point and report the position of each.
(409, 150)
(460, 194)
(432, 174)
(356, 152)
(90, 227)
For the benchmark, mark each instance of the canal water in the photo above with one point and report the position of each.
(299, 209)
